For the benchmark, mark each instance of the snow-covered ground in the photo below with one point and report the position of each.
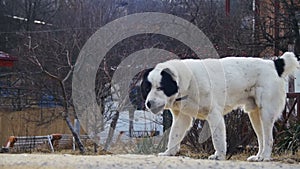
(143, 121)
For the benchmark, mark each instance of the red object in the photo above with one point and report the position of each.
(227, 7)
(6, 60)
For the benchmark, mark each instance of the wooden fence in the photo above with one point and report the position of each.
(292, 107)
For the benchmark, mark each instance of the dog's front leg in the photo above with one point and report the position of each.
(181, 124)
(218, 133)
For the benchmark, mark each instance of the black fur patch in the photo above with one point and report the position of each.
(168, 85)
(279, 65)
(297, 56)
(146, 85)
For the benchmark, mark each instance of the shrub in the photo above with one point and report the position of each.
(239, 134)
(289, 139)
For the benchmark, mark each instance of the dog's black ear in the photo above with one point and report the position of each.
(279, 65)
(168, 84)
(146, 85)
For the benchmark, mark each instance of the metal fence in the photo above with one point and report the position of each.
(15, 98)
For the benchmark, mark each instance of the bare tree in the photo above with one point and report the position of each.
(66, 99)
(52, 44)
(278, 25)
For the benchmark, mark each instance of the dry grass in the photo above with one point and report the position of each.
(184, 151)
(14, 123)
(283, 157)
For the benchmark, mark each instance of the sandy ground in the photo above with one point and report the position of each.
(56, 161)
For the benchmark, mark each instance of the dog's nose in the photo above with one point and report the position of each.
(149, 104)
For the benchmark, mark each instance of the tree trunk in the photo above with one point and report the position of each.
(68, 121)
(95, 148)
(131, 118)
(75, 135)
(112, 128)
(297, 47)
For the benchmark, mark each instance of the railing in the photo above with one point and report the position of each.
(16, 98)
(31, 142)
(292, 107)
(143, 133)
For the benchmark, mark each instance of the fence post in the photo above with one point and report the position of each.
(298, 107)
(77, 130)
(49, 137)
(167, 120)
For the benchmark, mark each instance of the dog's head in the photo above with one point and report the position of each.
(159, 88)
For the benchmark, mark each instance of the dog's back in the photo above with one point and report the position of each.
(248, 80)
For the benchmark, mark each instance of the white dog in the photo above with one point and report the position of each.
(208, 89)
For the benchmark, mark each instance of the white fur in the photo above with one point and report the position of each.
(216, 86)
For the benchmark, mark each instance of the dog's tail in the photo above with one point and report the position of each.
(286, 65)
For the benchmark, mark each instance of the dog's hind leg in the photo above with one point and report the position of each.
(181, 124)
(255, 119)
(217, 129)
(270, 105)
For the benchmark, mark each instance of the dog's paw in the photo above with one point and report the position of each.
(255, 158)
(216, 157)
(168, 153)
(164, 154)
(268, 159)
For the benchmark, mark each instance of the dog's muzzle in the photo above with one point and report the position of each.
(153, 107)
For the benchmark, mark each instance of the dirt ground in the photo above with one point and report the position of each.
(129, 161)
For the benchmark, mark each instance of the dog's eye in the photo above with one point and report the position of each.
(159, 88)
